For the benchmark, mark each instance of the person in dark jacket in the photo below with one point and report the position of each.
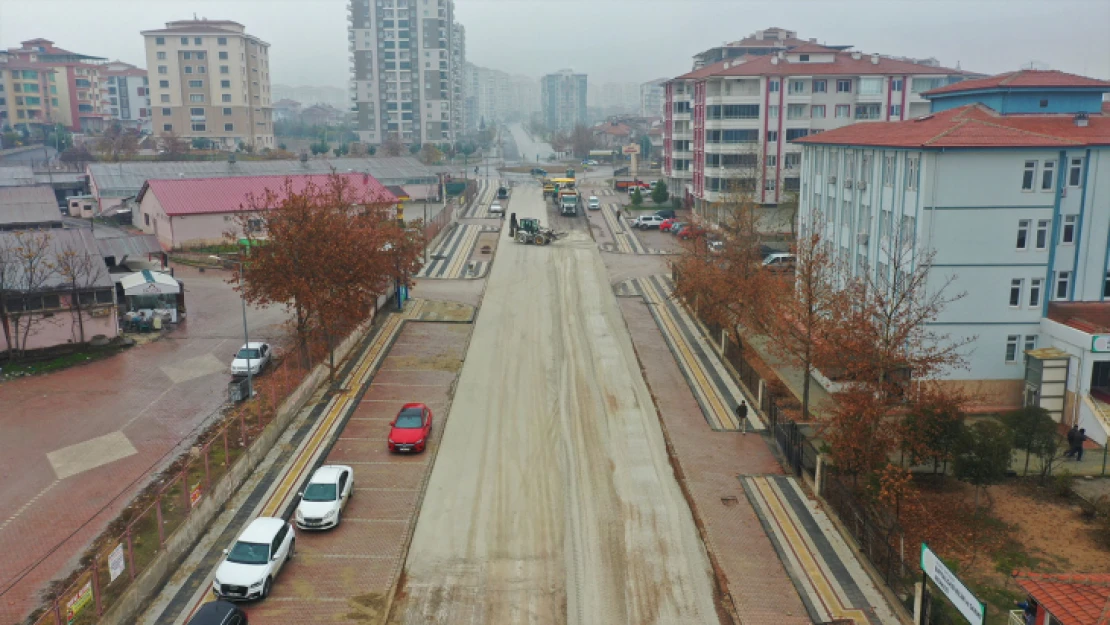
(1072, 433)
(512, 225)
(1077, 446)
(742, 415)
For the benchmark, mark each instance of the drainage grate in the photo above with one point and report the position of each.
(729, 501)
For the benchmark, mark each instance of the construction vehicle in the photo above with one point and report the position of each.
(568, 201)
(530, 231)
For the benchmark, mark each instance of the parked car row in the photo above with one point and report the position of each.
(655, 220)
(252, 564)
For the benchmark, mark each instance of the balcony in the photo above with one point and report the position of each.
(682, 154)
(731, 123)
(680, 117)
(683, 174)
(732, 148)
(683, 136)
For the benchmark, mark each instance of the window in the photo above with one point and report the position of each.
(895, 111)
(1015, 292)
(844, 86)
(843, 111)
(187, 55)
(224, 69)
(196, 97)
(167, 127)
(772, 136)
(796, 133)
(226, 97)
(198, 127)
(817, 111)
(1035, 292)
(221, 41)
(167, 112)
(198, 111)
(162, 69)
(188, 69)
(200, 56)
(202, 69)
(1075, 172)
(196, 84)
(870, 86)
(1029, 173)
(911, 173)
(1106, 285)
(1023, 234)
(1012, 347)
(1067, 234)
(803, 58)
(1042, 233)
(769, 184)
(921, 85)
(795, 111)
(227, 111)
(184, 41)
(1044, 104)
(160, 41)
(229, 127)
(895, 84)
(161, 56)
(797, 86)
(869, 111)
(1048, 175)
(832, 164)
(1030, 342)
(820, 86)
(889, 171)
(1063, 284)
(164, 98)
(197, 41)
(773, 86)
(223, 55)
(164, 84)
(773, 111)
(772, 160)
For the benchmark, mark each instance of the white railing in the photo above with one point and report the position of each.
(1017, 617)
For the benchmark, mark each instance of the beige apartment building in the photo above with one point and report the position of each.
(209, 79)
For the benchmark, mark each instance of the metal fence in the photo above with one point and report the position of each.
(436, 224)
(116, 562)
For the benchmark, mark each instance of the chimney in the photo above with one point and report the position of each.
(774, 60)
(1081, 120)
(874, 59)
(304, 157)
(857, 56)
(726, 65)
(813, 39)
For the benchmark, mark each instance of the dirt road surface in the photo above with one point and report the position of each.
(552, 499)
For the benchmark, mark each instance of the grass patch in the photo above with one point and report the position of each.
(57, 363)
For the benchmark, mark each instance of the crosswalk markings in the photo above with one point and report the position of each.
(452, 257)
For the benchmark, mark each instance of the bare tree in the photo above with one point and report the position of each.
(582, 141)
(173, 147)
(27, 267)
(392, 146)
(80, 270)
(117, 142)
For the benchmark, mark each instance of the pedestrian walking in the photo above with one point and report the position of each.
(1072, 433)
(1080, 437)
(512, 225)
(742, 416)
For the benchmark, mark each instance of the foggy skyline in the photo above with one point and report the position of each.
(609, 40)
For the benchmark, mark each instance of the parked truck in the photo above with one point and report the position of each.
(568, 202)
(624, 183)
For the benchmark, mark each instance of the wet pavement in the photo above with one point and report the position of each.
(79, 443)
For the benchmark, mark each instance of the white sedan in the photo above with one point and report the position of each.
(250, 566)
(253, 356)
(496, 208)
(324, 497)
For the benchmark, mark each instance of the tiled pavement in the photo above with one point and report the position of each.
(451, 259)
(826, 573)
(482, 199)
(716, 392)
(625, 240)
(349, 570)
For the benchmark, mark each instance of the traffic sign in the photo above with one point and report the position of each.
(631, 149)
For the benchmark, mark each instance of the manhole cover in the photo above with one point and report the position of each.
(730, 501)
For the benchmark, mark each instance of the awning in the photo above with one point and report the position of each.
(149, 283)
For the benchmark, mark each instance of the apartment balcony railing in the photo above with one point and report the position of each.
(683, 136)
(732, 148)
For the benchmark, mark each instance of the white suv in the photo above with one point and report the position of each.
(593, 203)
(324, 497)
(250, 566)
(645, 222)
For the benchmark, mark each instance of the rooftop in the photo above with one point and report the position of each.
(28, 207)
(1072, 599)
(78, 240)
(125, 179)
(971, 126)
(16, 176)
(1089, 317)
(843, 64)
(197, 196)
(1024, 79)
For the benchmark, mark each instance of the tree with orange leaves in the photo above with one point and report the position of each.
(326, 251)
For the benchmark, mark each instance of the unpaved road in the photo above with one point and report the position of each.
(552, 499)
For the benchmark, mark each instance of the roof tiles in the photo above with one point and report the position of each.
(1023, 79)
(1072, 599)
(198, 196)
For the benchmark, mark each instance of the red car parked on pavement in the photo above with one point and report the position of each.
(666, 225)
(411, 429)
(690, 231)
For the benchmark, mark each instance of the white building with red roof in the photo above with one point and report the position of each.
(728, 125)
(125, 91)
(197, 212)
(1007, 186)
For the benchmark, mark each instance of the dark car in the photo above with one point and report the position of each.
(665, 214)
(536, 171)
(219, 613)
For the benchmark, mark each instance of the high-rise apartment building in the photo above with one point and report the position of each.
(125, 91)
(209, 79)
(652, 95)
(407, 61)
(45, 84)
(563, 99)
(762, 42)
(728, 126)
(493, 96)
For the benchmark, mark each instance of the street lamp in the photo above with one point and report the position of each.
(246, 334)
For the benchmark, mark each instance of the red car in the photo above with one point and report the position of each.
(691, 231)
(666, 225)
(411, 429)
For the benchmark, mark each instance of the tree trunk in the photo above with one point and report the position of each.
(808, 371)
(80, 316)
(1026, 471)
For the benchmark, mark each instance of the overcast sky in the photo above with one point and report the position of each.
(611, 40)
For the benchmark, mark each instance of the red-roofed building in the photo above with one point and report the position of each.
(767, 41)
(195, 212)
(1067, 599)
(125, 91)
(51, 85)
(1012, 207)
(728, 122)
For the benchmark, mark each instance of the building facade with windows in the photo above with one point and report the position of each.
(762, 42)
(407, 59)
(728, 126)
(652, 95)
(209, 79)
(563, 100)
(45, 85)
(1011, 206)
(125, 91)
